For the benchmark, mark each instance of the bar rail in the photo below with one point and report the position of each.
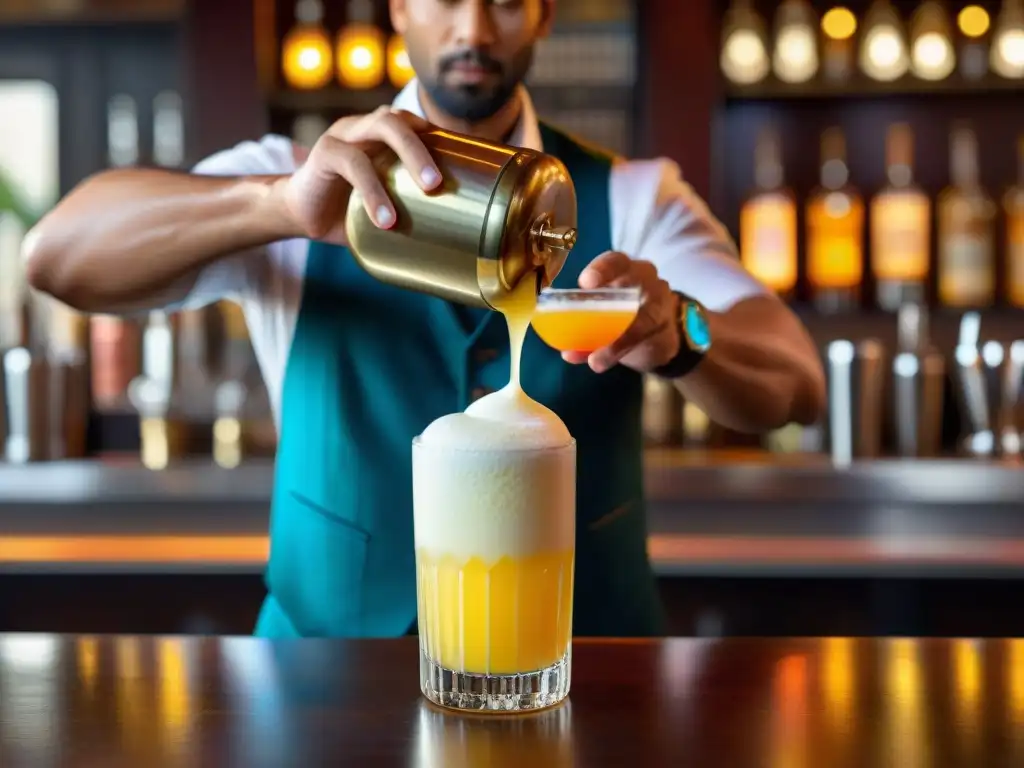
(750, 517)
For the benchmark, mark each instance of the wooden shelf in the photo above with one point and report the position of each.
(545, 97)
(861, 87)
(89, 12)
(331, 99)
(1003, 324)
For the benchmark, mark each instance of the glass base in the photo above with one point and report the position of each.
(495, 693)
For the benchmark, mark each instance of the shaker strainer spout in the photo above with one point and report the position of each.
(563, 238)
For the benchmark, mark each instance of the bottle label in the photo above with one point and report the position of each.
(900, 239)
(966, 270)
(768, 241)
(835, 254)
(1015, 262)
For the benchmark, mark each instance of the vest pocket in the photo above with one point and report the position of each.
(317, 563)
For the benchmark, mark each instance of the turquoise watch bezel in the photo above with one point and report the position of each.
(694, 339)
(694, 326)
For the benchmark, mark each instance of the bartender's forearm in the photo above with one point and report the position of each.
(133, 238)
(762, 371)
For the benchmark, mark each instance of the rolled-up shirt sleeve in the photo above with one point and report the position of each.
(233, 276)
(658, 217)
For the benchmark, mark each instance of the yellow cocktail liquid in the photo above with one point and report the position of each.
(581, 330)
(495, 554)
(506, 618)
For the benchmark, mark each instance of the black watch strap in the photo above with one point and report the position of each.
(694, 339)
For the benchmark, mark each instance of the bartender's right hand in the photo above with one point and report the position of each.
(342, 161)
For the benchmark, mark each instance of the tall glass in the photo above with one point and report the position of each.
(495, 549)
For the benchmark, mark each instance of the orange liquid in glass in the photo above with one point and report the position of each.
(581, 330)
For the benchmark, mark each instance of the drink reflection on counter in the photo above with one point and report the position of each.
(540, 740)
(905, 700)
(1014, 650)
(789, 732)
(968, 703)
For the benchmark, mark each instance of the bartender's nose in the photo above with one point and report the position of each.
(474, 26)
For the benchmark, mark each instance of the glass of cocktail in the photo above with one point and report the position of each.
(583, 321)
(495, 533)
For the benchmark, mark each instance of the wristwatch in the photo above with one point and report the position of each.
(695, 339)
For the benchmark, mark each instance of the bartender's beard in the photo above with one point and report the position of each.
(476, 103)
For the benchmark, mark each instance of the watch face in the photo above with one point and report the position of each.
(695, 323)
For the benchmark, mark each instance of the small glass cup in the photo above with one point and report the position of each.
(495, 552)
(583, 321)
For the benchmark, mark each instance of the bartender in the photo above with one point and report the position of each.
(355, 368)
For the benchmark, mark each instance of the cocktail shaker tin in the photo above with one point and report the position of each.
(501, 213)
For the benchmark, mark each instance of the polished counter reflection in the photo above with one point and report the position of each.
(156, 702)
(455, 740)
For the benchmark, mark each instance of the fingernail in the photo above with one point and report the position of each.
(385, 217)
(430, 177)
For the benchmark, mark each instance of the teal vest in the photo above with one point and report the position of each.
(370, 366)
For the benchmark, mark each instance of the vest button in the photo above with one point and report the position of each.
(479, 392)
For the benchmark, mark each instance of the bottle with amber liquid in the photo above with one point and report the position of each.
(768, 220)
(835, 231)
(1013, 204)
(900, 227)
(967, 220)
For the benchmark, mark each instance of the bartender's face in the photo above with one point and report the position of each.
(470, 55)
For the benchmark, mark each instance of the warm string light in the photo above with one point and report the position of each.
(360, 56)
(306, 50)
(399, 68)
(1007, 55)
(795, 58)
(744, 59)
(838, 27)
(886, 52)
(883, 52)
(931, 45)
(839, 23)
(973, 21)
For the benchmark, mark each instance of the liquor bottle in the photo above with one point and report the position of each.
(13, 290)
(835, 230)
(900, 227)
(967, 254)
(116, 359)
(1013, 204)
(768, 220)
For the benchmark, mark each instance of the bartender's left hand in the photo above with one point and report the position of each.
(653, 338)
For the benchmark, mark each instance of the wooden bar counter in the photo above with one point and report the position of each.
(221, 702)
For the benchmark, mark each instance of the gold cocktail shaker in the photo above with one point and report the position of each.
(500, 214)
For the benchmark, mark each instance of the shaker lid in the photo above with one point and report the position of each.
(531, 224)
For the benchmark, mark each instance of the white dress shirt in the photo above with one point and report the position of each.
(656, 217)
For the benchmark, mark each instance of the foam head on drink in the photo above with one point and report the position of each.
(494, 496)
